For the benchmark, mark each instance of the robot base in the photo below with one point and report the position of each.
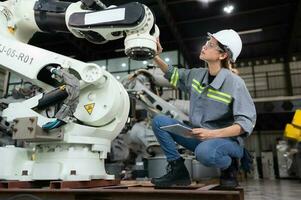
(68, 162)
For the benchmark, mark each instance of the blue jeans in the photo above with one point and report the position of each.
(211, 153)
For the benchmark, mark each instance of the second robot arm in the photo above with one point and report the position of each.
(134, 21)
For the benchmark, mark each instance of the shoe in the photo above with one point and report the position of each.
(177, 174)
(228, 178)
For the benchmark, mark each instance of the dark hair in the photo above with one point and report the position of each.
(227, 63)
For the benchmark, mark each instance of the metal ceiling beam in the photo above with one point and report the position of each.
(290, 47)
(263, 43)
(295, 28)
(278, 58)
(202, 37)
(180, 1)
(185, 1)
(174, 30)
(247, 12)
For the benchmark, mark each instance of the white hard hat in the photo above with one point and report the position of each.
(231, 40)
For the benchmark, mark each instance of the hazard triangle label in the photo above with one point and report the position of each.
(89, 107)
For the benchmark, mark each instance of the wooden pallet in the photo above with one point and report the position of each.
(123, 191)
(57, 184)
(23, 184)
(83, 184)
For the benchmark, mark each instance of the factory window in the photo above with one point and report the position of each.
(124, 64)
(170, 57)
(139, 64)
(118, 65)
(101, 63)
(120, 76)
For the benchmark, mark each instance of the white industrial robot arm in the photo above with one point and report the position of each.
(86, 19)
(133, 20)
(103, 104)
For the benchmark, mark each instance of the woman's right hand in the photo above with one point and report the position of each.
(157, 60)
(159, 47)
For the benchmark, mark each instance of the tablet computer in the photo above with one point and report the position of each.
(178, 129)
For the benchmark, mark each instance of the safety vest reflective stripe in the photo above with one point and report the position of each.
(196, 88)
(175, 77)
(213, 94)
(218, 98)
(197, 83)
(221, 96)
(220, 93)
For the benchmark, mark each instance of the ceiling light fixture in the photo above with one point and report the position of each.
(228, 8)
(206, 1)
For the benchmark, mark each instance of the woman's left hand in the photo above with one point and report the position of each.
(204, 134)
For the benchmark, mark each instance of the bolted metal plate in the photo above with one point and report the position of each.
(27, 129)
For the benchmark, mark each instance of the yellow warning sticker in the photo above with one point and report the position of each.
(89, 107)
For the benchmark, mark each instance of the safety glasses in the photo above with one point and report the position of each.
(211, 45)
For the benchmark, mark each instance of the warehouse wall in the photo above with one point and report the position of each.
(296, 74)
(263, 141)
(268, 80)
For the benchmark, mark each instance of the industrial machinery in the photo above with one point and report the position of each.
(293, 131)
(289, 154)
(149, 96)
(142, 86)
(93, 105)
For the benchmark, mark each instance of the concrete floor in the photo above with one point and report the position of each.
(272, 189)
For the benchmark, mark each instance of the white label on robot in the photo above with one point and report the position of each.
(12, 53)
(105, 16)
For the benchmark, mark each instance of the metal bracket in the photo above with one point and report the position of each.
(27, 129)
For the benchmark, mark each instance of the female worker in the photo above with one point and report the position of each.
(222, 112)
